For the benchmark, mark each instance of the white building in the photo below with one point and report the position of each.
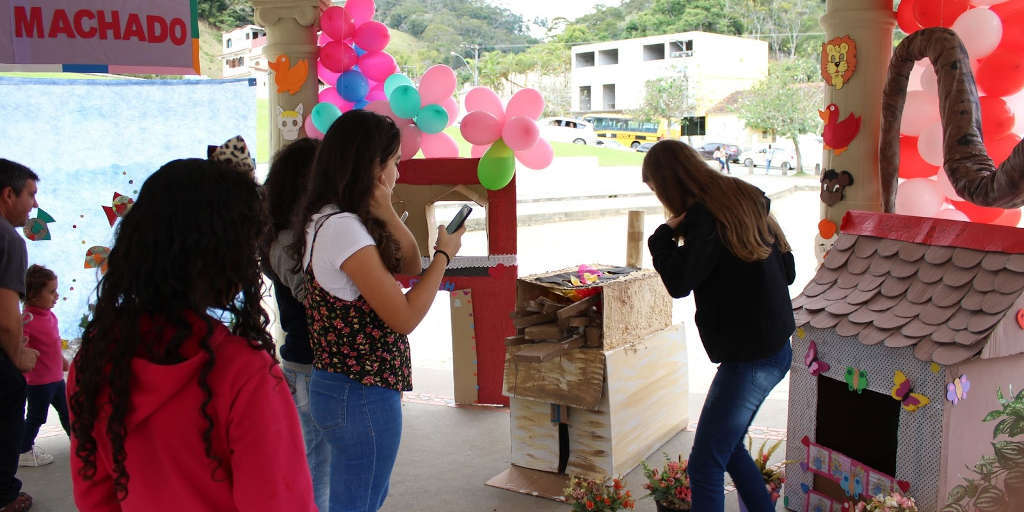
(610, 76)
(243, 57)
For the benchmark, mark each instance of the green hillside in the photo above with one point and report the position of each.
(209, 50)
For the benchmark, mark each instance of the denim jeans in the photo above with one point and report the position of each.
(363, 427)
(317, 453)
(736, 394)
(40, 398)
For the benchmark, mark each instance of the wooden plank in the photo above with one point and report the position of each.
(464, 360)
(527, 321)
(594, 335)
(516, 340)
(575, 378)
(634, 307)
(579, 321)
(543, 332)
(577, 307)
(534, 438)
(537, 352)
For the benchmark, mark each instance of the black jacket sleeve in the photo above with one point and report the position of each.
(684, 268)
(789, 267)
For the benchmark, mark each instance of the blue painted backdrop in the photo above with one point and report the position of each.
(87, 139)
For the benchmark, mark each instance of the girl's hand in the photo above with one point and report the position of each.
(449, 243)
(380, 203)
(675, 221)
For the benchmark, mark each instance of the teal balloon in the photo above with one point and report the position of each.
(393, 81)
(405, 101)
(496, 167)
(432, 118)
(324, 115)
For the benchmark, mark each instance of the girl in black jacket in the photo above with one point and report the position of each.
(738, 264)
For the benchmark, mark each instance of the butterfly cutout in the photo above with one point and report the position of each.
(35, 228)
(856, 380)
(957, 390)
(904, 392)
(814, 365)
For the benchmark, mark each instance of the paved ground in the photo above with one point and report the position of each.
(449, 452)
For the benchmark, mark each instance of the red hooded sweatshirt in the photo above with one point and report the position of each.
(256, 436)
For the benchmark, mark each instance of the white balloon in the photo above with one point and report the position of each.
(914, 84)
(987, 2)
(929, 145)
(929, 81)
(952, 214)
(919, 196)
(919, 112)
(980, 30)
(947, 188)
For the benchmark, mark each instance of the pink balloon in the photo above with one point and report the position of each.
(337, 23)
(482, 98)
(361, 11)
(526, 103)
(914, 84)
(478, 151)
(452, 107)
(919, 112)
(929, 80)
(980, 30)
(330, 95)
(952, 214)
(377, 66)
(383, 108)
(439, 145)
(376, 93)
(537, 157)
(919, 196)
(325, 75)
(946, 187)
(410, 141)
(480, 128)
(929, 145)
(520, 133)
(311, 130)
(436, 84)
(372, 36)
(338, 57)
(323, 39)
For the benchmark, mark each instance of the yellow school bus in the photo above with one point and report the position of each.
(630, 131)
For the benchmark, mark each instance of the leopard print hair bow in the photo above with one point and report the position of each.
(234, 154)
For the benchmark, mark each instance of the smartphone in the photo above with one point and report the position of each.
(459, 219)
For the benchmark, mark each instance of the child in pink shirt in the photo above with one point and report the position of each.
(46, 380)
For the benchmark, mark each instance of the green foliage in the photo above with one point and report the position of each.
(225, 14)
(667, 98)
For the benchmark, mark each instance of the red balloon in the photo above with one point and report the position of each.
(338, 56)
(911, 163)
(1001, 73)
(1009, 218)
(996, 116)
(905, 17)
(337, 23)
(939, 14)
(977, 213)
(999, 148)
(1012, 15)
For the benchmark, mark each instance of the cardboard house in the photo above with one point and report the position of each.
(907, 337)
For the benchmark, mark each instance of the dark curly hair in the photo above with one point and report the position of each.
(187, 245)
(36, 277)
(344, 173)
(285, 185)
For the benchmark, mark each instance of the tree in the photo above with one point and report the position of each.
(784, 104)
(667, 98)
(225, 14)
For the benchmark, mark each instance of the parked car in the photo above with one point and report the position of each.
(645, 147)
(567, 129)
(612, 144)
(780, 158)
(708, 150)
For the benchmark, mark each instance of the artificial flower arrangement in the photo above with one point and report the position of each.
(774, 476)
(669, 485)
(607, 495)
(894, 502)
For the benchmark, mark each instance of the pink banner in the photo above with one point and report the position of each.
(74, 33)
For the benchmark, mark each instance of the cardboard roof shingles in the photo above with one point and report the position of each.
(936, 285)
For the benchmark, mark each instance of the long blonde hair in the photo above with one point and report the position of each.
(680, 178)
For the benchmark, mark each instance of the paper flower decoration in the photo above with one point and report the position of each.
(421, 113)
(502, 134)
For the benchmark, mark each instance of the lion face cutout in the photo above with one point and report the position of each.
(833, 184)
(838, 61)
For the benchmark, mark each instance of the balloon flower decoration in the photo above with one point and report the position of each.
(421, 113)
(994, 47)
(352, 60)
(502, 134)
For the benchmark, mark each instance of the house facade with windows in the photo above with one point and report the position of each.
(610, 76)
(242, 55)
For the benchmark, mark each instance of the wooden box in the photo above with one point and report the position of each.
(642, 404)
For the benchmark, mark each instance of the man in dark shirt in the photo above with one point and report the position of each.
(17, 199)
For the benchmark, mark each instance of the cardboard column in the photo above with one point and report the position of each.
(291, 33)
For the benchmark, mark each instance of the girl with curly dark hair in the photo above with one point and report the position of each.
(353, 242)
(170, 409)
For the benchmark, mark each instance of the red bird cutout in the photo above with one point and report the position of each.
(838, 134)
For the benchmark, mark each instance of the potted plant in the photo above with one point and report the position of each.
(894, 502)
(773, 477)
(669, 485)
(607, 495)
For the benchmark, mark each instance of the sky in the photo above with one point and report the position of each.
(530, 9)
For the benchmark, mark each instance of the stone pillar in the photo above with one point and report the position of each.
(291, 32)
(870, 24)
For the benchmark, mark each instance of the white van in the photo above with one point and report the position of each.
(567, 129)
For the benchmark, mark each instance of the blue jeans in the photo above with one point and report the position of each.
(40, 398)
(363, 427)
(317, 453)
(736, 394)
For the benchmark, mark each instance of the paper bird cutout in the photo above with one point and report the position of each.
(957, 390)
(856, 380)
(289, 78)
(904, 392)
(96, 257)
(838, 134)
(119, 207)
(35, 229)
(814, 365)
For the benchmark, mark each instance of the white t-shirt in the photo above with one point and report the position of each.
(340, 236)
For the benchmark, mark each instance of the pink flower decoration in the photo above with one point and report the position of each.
(487, 121)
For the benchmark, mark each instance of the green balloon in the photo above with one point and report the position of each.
(405, 101)
(432, 118)
(393, 82)
(496, 167)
